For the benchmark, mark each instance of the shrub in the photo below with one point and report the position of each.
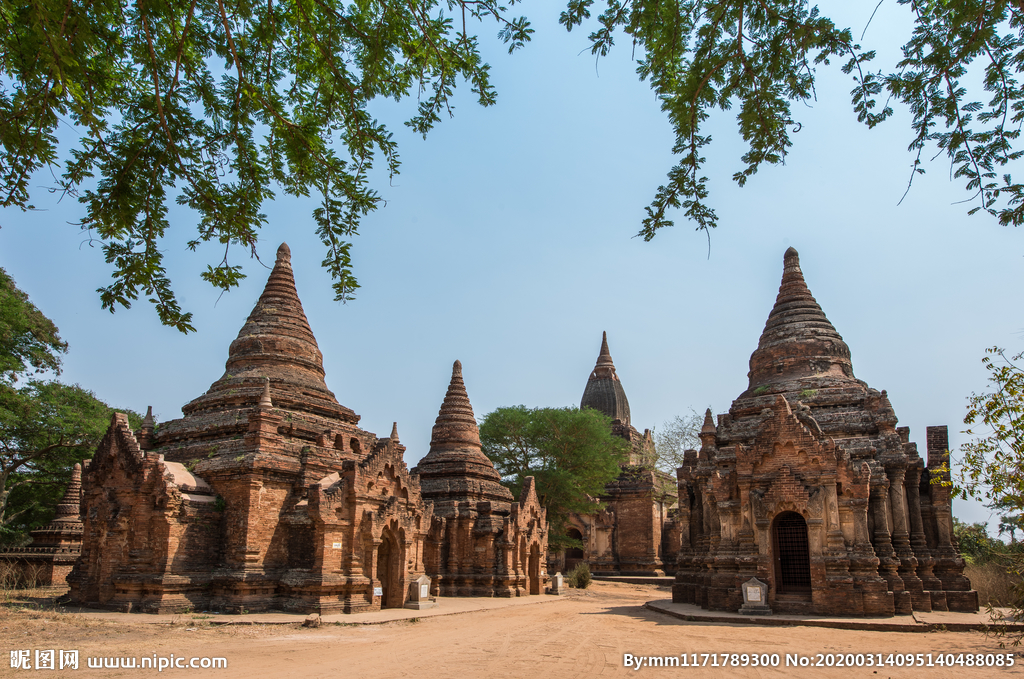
(579, 576)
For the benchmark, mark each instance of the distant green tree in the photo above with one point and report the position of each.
(992, 465)
(28, 340)
(571, 453)
(975, 544)
(45, 426)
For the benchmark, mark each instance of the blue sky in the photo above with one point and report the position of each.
(507, 242)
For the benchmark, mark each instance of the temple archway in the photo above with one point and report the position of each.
(573, 555)
(792, 555)
(390, 559)
(534, 568)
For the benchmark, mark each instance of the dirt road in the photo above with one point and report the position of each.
(585, 634)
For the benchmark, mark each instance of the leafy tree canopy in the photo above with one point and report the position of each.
(28, 339)
(760, 57)
(992, 465)
(216, 104)
(975, 544)
(45, 428)
(211, 102)
(571, 453)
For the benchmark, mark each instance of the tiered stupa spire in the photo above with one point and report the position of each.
(68, 508)
(456, 469)
(604, 391)
(67, 523)
(276, 343)
(798, 341)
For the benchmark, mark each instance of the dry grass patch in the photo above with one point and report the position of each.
(994, 584)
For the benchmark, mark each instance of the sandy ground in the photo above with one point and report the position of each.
(584, 634)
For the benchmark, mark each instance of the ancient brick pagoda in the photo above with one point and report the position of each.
(635, 534)
(267, 495)
(808, 485)
(48, 559)
(474, 515)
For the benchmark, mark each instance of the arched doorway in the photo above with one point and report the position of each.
(573, 555)
(390, 572)
(534, 568)
(792, 555)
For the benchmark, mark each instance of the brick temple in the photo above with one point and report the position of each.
(266, 494)
(808, 485)
(636, 532)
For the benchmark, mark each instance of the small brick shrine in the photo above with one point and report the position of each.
(476, 520)
(808, 485)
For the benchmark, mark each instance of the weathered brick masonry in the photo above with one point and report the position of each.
(807, 484)
(481, 542)
(266, 494)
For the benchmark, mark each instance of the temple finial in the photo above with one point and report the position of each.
(265, 401)
(284, 253)
(146, 431)
(605, 367)
(709, 423)
(455, 470)
(68, 508)
(394, 432)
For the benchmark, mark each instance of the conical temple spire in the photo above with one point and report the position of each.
(394, 432)
(64, 532)
(276, 343)
(798, 341)
(709, 423)
(604, 391)
(69, 507)
(455, 469)
(455, 425)
(605, 368)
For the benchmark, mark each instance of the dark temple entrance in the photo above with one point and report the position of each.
(390, 562)
(792, 556)
(573, 555)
